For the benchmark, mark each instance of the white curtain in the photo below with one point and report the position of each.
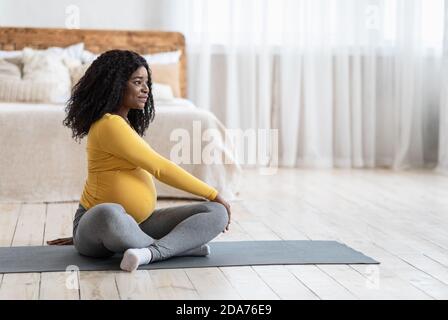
(347, 83)
(443, 142)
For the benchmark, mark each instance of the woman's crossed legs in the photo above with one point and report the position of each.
(106, 229)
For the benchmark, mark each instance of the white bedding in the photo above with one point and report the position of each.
(40, 162)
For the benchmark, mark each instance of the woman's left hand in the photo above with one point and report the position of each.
(220, 200)
(61, 242)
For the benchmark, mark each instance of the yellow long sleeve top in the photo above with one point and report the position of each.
(120, 169)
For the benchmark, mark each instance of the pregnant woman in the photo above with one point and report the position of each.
(113, 105)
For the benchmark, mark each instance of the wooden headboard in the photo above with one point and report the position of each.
(97, 41)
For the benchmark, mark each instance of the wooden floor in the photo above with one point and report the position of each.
(398, 218)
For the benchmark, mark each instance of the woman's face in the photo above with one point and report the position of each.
(136, 92)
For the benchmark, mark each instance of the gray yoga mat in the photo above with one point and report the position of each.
(224, 253)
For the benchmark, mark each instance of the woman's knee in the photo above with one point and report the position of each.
(94, 250)
(220, 213)
(108, 215)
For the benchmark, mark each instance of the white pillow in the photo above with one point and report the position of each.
(9, 70)
(163, 57)
(14, 89)
(45, 77)
(87, 56)
(76, 69)
(74, 51)
(10, 54)
(46, 66)
(162, 91)
(17, 90)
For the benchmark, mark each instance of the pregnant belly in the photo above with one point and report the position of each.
(134, 190)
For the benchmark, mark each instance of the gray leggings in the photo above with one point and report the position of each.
(106, 229)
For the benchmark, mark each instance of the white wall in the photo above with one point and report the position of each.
(93, 14)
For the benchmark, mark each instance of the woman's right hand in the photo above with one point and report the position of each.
(220, 200)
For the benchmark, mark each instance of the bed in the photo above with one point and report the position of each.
(40, 162)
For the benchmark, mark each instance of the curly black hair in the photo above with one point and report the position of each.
(101, 91)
